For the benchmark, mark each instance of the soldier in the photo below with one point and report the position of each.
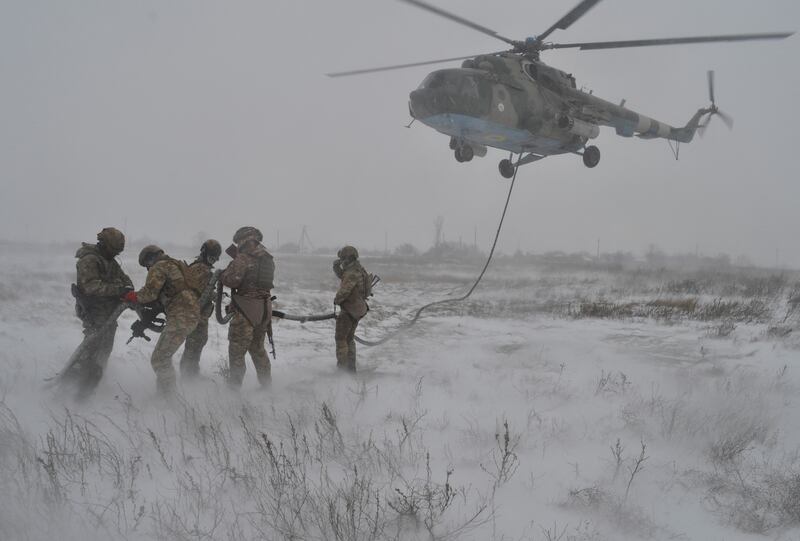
(250, 276)
(167, 282)
(101, 285)
(201, 270)
(352, 299)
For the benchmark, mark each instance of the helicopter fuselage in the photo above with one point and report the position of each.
(512, 101)
(521, 105)
(486, 104)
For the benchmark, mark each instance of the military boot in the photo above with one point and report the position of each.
(264, 377)
(165, 386)
(88, 379)
(350, 363)
(235, 377)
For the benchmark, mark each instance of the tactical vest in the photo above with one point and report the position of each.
(174, 285)
(107, 271)
(259, 275)
(88, 306)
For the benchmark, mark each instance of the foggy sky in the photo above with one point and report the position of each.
(171, 118)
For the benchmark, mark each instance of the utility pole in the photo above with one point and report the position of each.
(438, 224)
(305, 239)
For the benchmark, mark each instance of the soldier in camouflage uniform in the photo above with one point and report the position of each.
(201, 270)
(250, 276)
(167, 283)
(101, 285)
(352, 299)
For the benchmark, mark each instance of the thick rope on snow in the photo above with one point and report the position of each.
(413, 320)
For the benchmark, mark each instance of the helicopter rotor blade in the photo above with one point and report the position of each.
(566, 21)
(710, 74)
(667, 41)
(726, 119)
(402, 66)
(460, 20)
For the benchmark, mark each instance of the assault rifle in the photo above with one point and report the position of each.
(373, 283)
(148, 321)
(269, 332)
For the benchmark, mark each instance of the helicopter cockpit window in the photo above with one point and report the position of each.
(531, 70)
(469, 88)
(434, 80)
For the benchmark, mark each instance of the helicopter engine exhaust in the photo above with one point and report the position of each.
(578, 127)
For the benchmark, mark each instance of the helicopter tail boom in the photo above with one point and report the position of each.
(686, 133)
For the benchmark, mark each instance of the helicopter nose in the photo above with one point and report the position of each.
(418, 103)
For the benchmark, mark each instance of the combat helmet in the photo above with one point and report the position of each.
(111, 241)
(148, 255)
(246, 233)
(211, 250)
(347, 253)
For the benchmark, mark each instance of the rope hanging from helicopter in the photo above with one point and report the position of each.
(405, 326)
(464, 297)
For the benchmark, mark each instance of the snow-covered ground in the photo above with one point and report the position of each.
(553, 404)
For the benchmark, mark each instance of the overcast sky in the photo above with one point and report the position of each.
(172, 117)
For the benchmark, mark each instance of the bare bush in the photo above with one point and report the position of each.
(505, 460)
(757, 496)
(612, 383)
(754, 310)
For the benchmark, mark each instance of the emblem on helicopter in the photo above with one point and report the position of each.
(513, 101)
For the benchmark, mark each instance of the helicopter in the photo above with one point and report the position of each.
(512, 101)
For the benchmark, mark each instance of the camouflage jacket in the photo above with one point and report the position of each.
(100, 280)
(201, 273)
(352, 294)
(251, 274)
(166, 283)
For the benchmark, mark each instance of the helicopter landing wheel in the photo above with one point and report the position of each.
(506, 168)
(453, 143)
(591, 156)
(464, 153)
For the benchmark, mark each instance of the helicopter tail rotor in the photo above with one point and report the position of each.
(713, 110)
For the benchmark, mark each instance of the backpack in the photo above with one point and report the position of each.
(196, 276)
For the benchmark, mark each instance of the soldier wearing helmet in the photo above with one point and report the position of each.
(101, 283)
(250, 276)
(201, 271)
(352, 299)
(167, 282)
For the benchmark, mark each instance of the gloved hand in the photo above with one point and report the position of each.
(123, 290)
(337, 268)
(130, 296)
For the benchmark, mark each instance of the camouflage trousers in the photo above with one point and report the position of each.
(180, 324)
(88, 371)
(243, 338)
(345, 341)
(195, 342)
